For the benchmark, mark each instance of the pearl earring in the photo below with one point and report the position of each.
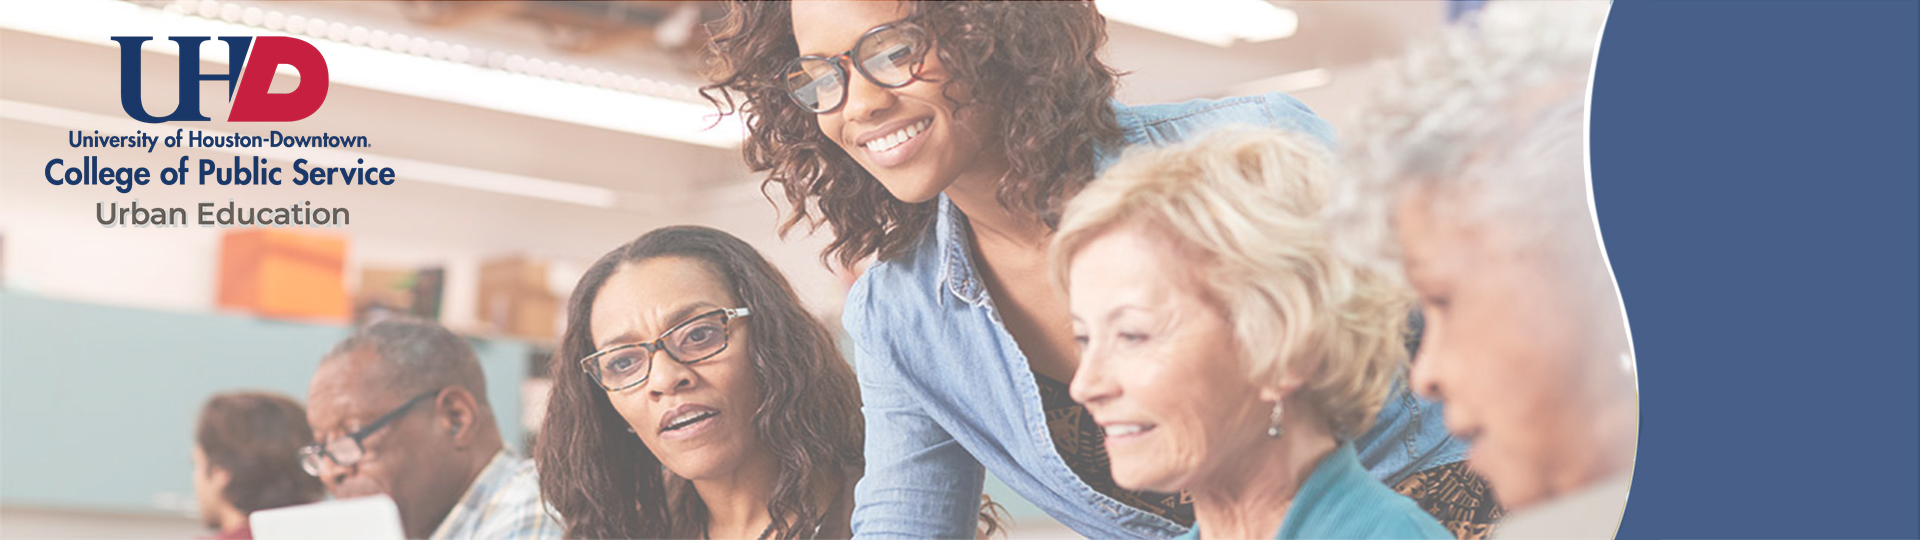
(1273, 422)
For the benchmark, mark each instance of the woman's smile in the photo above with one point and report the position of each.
(893, 144)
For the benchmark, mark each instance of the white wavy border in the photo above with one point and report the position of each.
(1593, 210)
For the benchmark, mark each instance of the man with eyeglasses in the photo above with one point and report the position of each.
(400, 408)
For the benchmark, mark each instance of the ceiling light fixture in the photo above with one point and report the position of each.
(1220, 23)
(1306, 79)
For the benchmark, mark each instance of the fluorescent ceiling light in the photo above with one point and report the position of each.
(408, 169)
(1296, 81)
(94, 21)
(1216, 22)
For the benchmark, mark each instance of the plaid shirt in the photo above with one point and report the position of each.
(503, 503)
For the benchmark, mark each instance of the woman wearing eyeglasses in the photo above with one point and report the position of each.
(694, 397)
(939, 140)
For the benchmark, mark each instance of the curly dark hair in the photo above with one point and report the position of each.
(256, 437)
(1036, 63)
(604, 481)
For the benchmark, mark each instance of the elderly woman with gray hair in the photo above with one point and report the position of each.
(1471, 179)
(1224, 349)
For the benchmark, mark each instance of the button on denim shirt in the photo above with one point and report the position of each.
(948, 394)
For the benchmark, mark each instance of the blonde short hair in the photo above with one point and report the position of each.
(1244, 206)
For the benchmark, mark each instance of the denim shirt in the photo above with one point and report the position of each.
(948, 394)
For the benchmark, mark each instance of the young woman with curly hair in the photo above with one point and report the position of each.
(940, 141)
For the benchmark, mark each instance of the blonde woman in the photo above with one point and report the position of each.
(1226, 353)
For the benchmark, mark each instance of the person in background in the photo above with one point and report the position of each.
(695, 397)
(939, 140)
(400, 408)
(1226, 350)
(1471, 181)
(246, 458)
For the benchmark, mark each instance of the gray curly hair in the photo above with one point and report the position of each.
(1492, 108)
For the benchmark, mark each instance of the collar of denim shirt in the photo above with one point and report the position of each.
(956, 262)
(950, 226)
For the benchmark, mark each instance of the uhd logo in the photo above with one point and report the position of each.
(253, 105)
